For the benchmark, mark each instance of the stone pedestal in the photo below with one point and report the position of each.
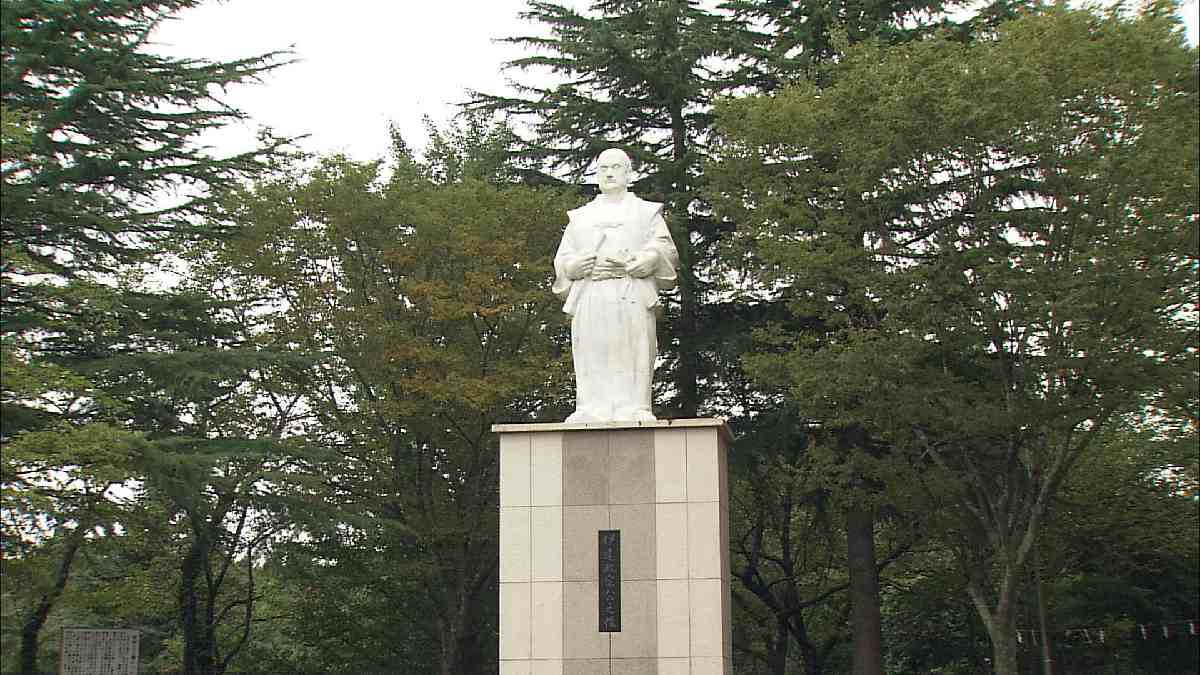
(572, 603)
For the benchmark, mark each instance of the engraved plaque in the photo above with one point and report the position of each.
(610, 581)
(97, 651)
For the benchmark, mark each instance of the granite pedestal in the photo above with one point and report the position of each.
(572, 603)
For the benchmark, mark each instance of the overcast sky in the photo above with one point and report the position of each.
(363, 63)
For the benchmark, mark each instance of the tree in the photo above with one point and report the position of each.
(125, 577)
(58, 484)
(100, 170)
(111, 131)
(642, 76)
(429, 302)
(929, 625)
(350, 597)
(222, 463)
(639, 76)
(1133, 493)
(194, 378)
(800, 39)
(1006, 279)
(788, 557)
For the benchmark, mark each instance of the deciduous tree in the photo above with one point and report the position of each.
(427, 294)
(1004, 278)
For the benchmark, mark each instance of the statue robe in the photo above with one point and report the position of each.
(613, 338)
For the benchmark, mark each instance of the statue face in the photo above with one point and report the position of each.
(612, 171)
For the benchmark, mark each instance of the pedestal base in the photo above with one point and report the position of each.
(614, 555)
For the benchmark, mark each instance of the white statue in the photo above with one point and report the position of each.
(614, 257)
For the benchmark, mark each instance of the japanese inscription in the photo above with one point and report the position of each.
(610, 581)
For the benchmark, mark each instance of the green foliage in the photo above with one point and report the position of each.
(425, 293)
(640, 76)
(102, 171)
(110, 129)
(1133, 494)
(789, 557)
(61, 473)
(472, 149)
(16, 135)
(799, 40)
(986, 285)
(350, 599)
(286, 465)
(643, 76)
(929, 625)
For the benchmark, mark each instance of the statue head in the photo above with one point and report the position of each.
(614, 171)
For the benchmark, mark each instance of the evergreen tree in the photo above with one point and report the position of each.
(101, 170)
(218, 405)
(800, 39)
(58, 484)
(111, 164)
(643, 75)
(640, 76)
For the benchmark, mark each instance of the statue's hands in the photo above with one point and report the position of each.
(642, 265)
(609, 267)
(580, 267)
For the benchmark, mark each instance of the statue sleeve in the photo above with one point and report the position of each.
(665, 276)
(566, 250)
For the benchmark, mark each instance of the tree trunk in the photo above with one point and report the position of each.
(1000, 622)
(36, 618)
(460, 651)
(1047, 650)
(777, 652)
(196, 653)
(688, 376)
(864, 591)
(686, 379)
(811, 657)
(1004, 644)
(455, 646)
(450, 649)
(460, 631)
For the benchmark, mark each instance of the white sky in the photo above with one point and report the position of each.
(363, 63)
